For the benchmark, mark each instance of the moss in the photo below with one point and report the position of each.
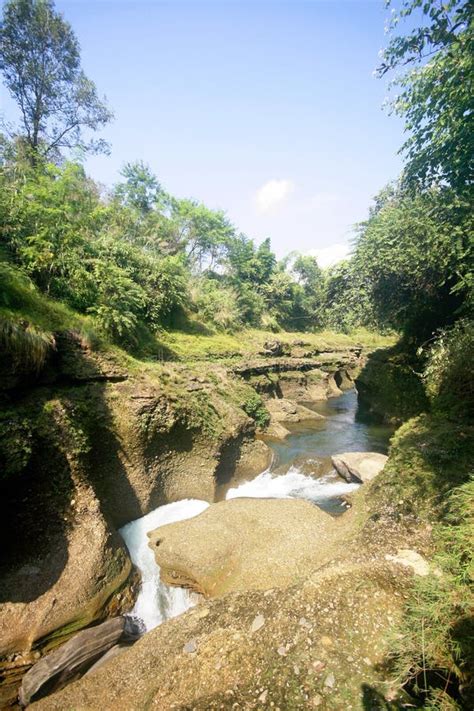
(16, 442)
(390, 385)
(429, 456)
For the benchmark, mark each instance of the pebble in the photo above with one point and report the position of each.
(282, 651)
(326, 641)
(263, 696)
(201, 612)
(190, 647)
(316, 700)
(257, 624)
(305, 623)
(330, 681)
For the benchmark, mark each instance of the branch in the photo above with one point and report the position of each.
(61, 136)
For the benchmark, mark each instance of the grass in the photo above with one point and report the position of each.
(435, 646)
(30, 311)
(248, 342)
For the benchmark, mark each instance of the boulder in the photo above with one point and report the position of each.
(360, 467)
(282, 410)
(244, 544)
(69, 584)
(272, 348)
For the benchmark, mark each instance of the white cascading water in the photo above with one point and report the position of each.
(293, 484)
(157, 602)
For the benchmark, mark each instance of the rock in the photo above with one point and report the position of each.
(330, 681)
(272, 348)
(359, 466)
(257, 624)
(154, 673)
(263, 696)
(70, 660)
(410, 559)
(282, 410)
(81, 568)
(276, 431)
(244, 544)
(343, 380)
(111, 654)
(190, 647)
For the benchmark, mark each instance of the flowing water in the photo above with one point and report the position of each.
(301, 468)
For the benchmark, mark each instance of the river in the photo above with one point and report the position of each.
(301, 468)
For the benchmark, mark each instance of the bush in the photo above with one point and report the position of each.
(448, 374)
(217, 304)
(254, 408)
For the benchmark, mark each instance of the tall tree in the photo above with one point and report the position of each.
(436, 90)
(40, 62)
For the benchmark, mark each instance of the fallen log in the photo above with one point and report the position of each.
(73, 658)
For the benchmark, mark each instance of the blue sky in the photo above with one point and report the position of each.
(266, 109)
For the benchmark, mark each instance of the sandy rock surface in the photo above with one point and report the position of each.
(244, 544)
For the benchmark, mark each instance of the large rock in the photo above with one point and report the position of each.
(282, 410)
(359, 466)
(66, 585)
(244, 544)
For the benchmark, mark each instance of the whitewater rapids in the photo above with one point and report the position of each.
(158, 602)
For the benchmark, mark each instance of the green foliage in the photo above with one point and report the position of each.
(414, 255)
(346, 298)
(26, 345)
(217, 304)
(390, 385)
(436, 91)
(253, 406)
(40, 62)
(435, 647)
(448, 374)
(15, 443)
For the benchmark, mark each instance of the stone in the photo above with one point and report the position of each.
(80, 569)
(244, 544)
(272, 348)
(330, 681)
(263, 696)
(282, 410)
(190, 647)
(257, 624)
(360, 467)
(410, 559)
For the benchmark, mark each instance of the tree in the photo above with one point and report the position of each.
(436, 92)
(141, 189)
(40, 62)
(412, 259)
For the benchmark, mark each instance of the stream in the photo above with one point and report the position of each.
(301, 468)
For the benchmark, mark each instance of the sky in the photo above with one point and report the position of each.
(268, 110)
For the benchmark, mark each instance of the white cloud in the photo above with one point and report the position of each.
(328, 256)
(272, 194)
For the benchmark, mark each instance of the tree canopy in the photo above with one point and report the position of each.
(40, 63)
